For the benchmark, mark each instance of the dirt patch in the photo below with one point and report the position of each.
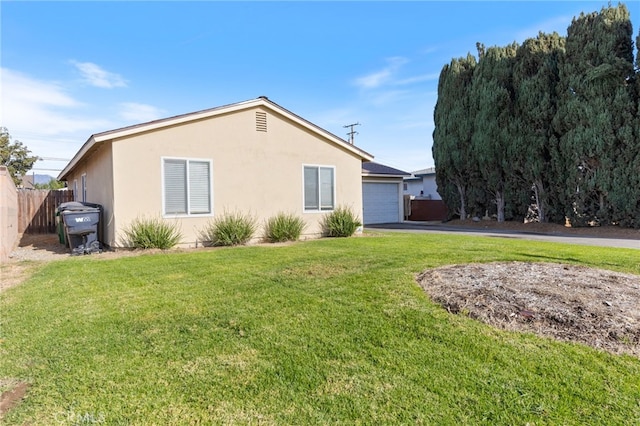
(34, 250)
(596, 307)
(13, 396)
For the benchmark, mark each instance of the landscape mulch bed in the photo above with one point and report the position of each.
(596, 307)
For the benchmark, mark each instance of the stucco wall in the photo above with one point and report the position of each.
(8, 214)
(427, 184)
(98, 168)
(254, 172)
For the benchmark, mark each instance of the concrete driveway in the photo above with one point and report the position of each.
(443, 228)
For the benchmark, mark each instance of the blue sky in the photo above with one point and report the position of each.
(72, 69)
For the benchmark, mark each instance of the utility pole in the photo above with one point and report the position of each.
(351, 133)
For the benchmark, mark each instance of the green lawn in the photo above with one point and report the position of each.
(332, 331)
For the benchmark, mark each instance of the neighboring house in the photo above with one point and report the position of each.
(425, 204)
(27, 182)
(382, 200)
(422, 184)
(252, 157)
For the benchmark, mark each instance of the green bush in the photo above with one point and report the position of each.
(342, 222)
(151, 233)
(230, 229)
(283, 227)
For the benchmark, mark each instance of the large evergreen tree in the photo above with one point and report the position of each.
(452, 135)
(535, 78)
(556, 120)
(492, 103)
(626, 191)
(595, 114)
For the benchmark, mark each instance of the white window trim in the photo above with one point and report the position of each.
(335, 180)
(187, 159)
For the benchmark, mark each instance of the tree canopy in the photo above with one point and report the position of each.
(15, 156)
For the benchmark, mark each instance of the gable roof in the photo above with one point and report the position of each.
(425, 172)
(420, 174)
(376, 169)
(96, 139)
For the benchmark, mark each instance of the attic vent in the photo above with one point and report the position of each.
(261, 121)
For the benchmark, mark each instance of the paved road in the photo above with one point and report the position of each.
(440, 228)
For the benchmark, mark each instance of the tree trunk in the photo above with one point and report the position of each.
(538, 190)
(500, 205)
(463, 208)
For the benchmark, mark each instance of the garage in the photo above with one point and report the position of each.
(381, 193)
(380, 202)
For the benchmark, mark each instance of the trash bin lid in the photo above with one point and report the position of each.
(79, 212)
(72, 206)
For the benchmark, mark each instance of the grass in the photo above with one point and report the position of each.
(333, 331)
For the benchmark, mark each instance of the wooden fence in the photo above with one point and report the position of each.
(428, 210)
(37, 210)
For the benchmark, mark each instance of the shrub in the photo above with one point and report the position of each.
(283, 227)
(151, 233)
(341, 222)
(230, 229)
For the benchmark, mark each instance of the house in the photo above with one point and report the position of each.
(422, 184)
(253, 157)
(382, 200)
(26, 182)
(423, 200)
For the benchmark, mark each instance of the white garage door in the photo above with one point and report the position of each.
(380, 202)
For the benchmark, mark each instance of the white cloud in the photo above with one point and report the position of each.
(40, 114)
(418, 79)
(139, 113)
(27, 90)
(31, 105)
(379, 78)
(98, 77)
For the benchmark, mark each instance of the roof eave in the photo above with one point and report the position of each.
(381, 175)
(86, 147)
(200, 115)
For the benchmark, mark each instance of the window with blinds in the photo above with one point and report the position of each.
(83, 179)
(186, 186)
(319, 188)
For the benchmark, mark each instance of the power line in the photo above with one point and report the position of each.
(53, 159)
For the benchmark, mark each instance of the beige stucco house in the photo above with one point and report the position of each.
(253, 157)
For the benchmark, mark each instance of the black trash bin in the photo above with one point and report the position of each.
(81, 224)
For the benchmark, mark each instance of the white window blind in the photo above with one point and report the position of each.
(311, 188)
(326, 188)
(199, 191)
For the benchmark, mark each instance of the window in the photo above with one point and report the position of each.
(83, 179)
(319, 188)
(75, 190)
(186, 186)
